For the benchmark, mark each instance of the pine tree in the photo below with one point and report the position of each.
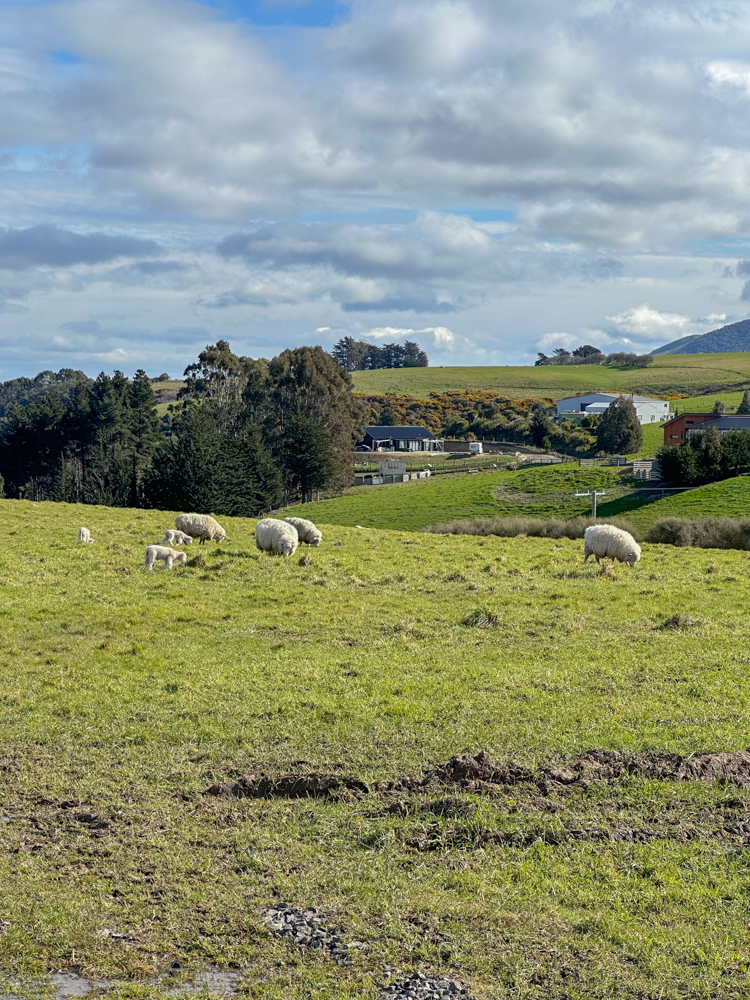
(246, 482)
(619, 431)
(308, 455)
(144, 426)
(414, 356)
(744, 406)
(308, 383)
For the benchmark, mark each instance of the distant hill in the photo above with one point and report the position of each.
(34, 390)
(677, 344)
(726, 340)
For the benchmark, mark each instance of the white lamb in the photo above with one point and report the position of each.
(201, 526)
(168, 556)
(272, 535)
(84, 535)
(306, 530)
(174, 537)
(605, 541)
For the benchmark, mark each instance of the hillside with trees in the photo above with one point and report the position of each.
(34, 390)
(359, 355)
(245, 435)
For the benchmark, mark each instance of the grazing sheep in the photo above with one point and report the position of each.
(306, 530)
(169, 556)
(84, 535)
(201, 526)
(174, 537)
(605, 541)
(272, 535)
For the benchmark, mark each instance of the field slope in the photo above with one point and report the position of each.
(126, 695)
(690, 375)
(537, 491)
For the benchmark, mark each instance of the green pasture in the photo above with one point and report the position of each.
(536, 491)
(689, 374)
(125, 694)
(704, 404)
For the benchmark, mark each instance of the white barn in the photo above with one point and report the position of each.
(647, 409)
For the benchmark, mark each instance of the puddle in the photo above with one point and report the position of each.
(65, 985)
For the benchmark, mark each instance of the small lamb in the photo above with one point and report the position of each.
(306, 530)
(174, 537)
(169, 556)
(84, 535)
(605, 541)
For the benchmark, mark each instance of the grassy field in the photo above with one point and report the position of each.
(537, 491)
(125, 694)
(691, 375)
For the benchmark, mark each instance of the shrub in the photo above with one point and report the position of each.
(533, 527)
(702, 532)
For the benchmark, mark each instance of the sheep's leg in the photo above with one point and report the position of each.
(586, 554)
(168, 562)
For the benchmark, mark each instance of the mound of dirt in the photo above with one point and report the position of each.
(292, 786)
(479, 773)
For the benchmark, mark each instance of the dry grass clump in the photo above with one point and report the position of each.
(481, 618)
(678, 622)
(533, 527)
(702, 532)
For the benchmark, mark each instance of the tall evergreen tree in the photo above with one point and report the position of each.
(744, 406)
(144, 425)
(308, 455)
(414, 356)
(619, 431)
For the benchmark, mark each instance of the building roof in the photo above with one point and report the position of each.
(633, 396)
(680, 416)
(732, 422)
(406, 433)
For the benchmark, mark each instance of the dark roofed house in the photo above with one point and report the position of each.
(729, 422)
(407, 438)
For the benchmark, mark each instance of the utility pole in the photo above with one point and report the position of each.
(593, 494)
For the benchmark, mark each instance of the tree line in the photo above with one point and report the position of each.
(245, 435)
(358, 355)
(587, 354)
(705, 457)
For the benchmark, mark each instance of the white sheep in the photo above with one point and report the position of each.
(201, 526)
(605, 541)
(306, 530)
(272, 535)
(84, 535)
(174, 537)
(168, 556)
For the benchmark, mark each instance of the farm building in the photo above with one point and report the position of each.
(401, 439)
(647, 409)
(734, 422)
(676, 430)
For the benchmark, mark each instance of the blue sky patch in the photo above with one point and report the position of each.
(298, 13)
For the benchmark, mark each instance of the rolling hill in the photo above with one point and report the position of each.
(670, 374)
(733, 337)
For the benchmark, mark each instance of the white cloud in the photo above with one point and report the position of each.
(644, 321)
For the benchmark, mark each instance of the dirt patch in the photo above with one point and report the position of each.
(292, 786)
(479, 773)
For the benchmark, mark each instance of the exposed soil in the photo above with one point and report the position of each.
(480, 773)
(292, 786)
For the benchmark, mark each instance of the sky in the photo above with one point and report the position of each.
(490, 178)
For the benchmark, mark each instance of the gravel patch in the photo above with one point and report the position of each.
(420, 987)
(307, 929)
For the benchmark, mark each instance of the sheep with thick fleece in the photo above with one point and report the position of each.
(605, 541)
(174, 537)
(168, 556)
(201, 526)
(84, 535)
(272, 535)
(306, 530)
